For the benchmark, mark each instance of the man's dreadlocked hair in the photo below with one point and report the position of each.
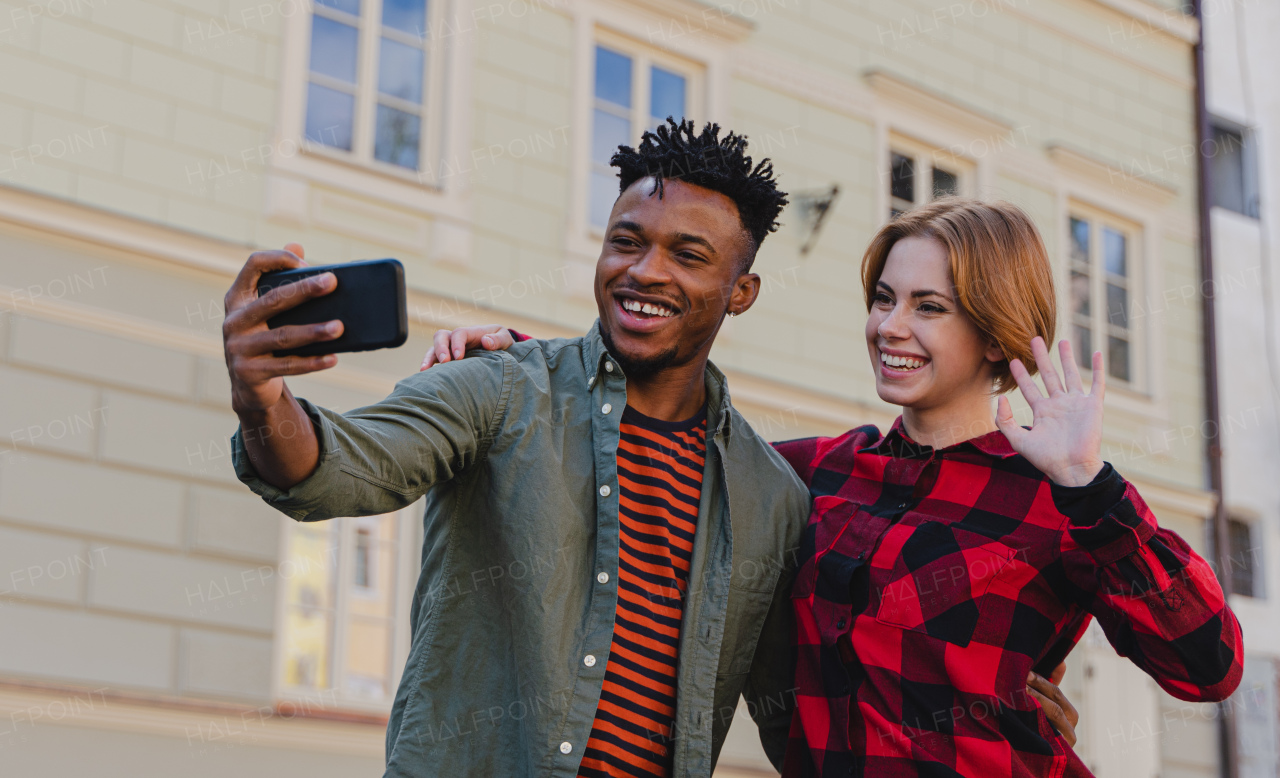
(674, 152)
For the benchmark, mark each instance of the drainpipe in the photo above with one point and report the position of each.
(1213, 442)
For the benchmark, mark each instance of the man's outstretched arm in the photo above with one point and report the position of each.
(313, 463)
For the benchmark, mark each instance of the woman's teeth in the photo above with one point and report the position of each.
(902, 363)
(649, 308)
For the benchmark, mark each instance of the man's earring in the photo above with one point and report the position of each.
(732, 314)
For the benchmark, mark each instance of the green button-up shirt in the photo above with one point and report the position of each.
(516, 453)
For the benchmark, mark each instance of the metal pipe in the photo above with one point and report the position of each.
(1213, 442)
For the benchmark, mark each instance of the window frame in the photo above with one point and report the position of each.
(1257, 563)
(1250, 175)
(297, 171)
(667, 26)
(405, 544)
(925, 158)
(1135, 286)
(644, 57)
(369, 31)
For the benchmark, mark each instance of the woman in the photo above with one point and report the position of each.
(948, 557)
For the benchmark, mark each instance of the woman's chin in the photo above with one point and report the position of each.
(896, 395)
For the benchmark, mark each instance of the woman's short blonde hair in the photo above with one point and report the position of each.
(998, 264)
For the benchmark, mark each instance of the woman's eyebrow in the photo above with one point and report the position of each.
(919, 292)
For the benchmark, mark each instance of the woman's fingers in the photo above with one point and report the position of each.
(498, 340)
(1026, 384)
(1099, 388)
(1070, 373)
(1048, 373)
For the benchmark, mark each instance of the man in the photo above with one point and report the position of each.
(632, 536)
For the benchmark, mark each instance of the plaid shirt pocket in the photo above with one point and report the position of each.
(933, 578)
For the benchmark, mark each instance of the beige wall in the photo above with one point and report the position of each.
(147, 147)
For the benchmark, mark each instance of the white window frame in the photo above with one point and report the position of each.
(643, 59)
(407, 543)
(1136, 297)
(642, 28)
(363, 132)
(924, 158)
(295, 165)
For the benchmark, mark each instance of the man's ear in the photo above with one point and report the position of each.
(745, 291)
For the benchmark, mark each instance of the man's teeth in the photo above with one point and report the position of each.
(649, 308)
(906, 363)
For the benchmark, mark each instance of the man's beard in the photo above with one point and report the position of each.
(639, 369)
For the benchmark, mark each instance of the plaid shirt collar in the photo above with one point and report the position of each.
(897, 443)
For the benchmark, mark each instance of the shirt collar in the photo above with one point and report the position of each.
(897, 443)
(594, 356)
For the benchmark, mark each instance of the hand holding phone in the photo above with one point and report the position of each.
(247, 342)
(369, 301)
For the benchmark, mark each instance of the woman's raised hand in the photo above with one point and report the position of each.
(1065, 439)
(453, 344)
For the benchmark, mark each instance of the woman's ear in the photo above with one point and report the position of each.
(994, 352)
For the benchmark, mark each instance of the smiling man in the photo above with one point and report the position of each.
(606, 540)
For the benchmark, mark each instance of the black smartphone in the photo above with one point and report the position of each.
(369, 300)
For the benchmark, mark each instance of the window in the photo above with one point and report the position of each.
(1233, 180)
(1102, 286)
(372, 81)
(634, 89)
(917, 175)
(345, 584)
(1243, 558)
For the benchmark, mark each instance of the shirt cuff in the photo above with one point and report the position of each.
(1107, 517)
(300, 500)
(1087, 504)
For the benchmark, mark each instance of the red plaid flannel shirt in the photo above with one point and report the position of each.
(932, 581)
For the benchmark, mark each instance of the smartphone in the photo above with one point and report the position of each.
(369, 300)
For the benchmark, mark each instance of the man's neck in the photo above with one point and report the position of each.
(673, 394)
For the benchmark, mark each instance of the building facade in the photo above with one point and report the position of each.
(157, 618)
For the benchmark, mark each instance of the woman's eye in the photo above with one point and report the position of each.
(931, 308)
(881, 299)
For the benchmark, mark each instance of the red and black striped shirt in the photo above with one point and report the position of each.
(660, 482)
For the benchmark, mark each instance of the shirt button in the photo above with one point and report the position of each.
(591, 382)
(606, 408)
(840, 624)
(608, 367)
(566, 747)
(589, 660)
(604, 490)
(602, 577)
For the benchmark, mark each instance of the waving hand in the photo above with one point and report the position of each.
(1065, 439)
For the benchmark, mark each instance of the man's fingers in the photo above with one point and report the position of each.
(291, 336)
(1057, 707)
(1058, 674)
(282, 298)
(295, 249)
(244, 290)
(261, 369)
(1054, 713)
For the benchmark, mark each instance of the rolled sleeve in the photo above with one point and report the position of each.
(384, 456)
(304, 499)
